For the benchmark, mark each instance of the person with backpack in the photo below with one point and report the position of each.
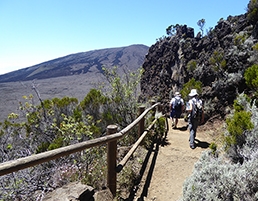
(196, 115)
(176, 107)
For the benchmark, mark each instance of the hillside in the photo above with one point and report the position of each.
(218, 60)
(130, 57)
(73, 75)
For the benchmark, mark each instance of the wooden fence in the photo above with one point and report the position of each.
(111, 139)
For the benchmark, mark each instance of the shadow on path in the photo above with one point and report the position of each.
(201, 144)
(154, 148)
(183, 128)
(143, 182)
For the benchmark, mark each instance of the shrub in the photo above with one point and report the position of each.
(252, 11)
(251, 80)
(251, 77)
(255, 46)
(213, 146)
(236, 126)
(171, 29)
(191, 84)
(201, 24)
(122, 99)
(218, 178)
(240, 38)
(191, 65)
(59, 122)
(218, 62)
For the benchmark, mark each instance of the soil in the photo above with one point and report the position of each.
(173, 161)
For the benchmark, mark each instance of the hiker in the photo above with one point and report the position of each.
(196, 115)
(176, 107)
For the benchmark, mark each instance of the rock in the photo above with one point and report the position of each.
(218, 58)
(71, 192)
(103, 195)
(76, 191)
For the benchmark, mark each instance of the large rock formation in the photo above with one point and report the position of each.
(218, 60)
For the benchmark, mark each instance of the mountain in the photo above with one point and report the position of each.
(218, 60)
(72, 75)
(130, 57)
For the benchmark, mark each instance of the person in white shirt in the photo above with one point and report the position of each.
(194, 121)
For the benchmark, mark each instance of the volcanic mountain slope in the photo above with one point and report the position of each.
(73, 76)
(130, 57)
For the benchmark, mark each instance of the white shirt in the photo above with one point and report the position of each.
(173, 100)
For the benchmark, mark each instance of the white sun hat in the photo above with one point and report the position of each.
(177, 94)
(193, 92)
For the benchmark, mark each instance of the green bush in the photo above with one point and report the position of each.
(251, 77)
(236, 126)
(252, 11)
(240, 38)
(218, 62)
(191, 65)
(191, 84)
(251, 80)
(213, 146)
(255, 46)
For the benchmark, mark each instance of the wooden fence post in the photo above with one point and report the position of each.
(111, 160)
(141, 123)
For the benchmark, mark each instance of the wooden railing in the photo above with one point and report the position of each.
(111, 138)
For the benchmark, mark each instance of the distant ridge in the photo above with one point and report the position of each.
(130, 57)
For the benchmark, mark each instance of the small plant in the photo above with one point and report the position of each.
(201, 24)
(171, 30)
(237, 125)
(126, 179)
(160, 128)
(213, 146)
(191, 65)
(240, 39)
(255, 46)
(251, 77)
(218, 62)
(191, 84)
(94, 170)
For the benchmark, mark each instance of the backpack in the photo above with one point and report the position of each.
(197, 110)
(178, 104)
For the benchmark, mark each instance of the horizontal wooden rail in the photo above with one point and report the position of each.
(132, 150)
(29, 161)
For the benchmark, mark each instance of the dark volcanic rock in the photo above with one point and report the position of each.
(220, 59)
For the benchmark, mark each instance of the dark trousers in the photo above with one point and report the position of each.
(193, 124)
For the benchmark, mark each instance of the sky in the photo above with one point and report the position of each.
(35, 31)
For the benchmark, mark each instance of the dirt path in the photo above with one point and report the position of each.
(170, 165)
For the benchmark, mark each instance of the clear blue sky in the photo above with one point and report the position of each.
(35, 31)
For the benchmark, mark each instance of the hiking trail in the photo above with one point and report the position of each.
(170, 164)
